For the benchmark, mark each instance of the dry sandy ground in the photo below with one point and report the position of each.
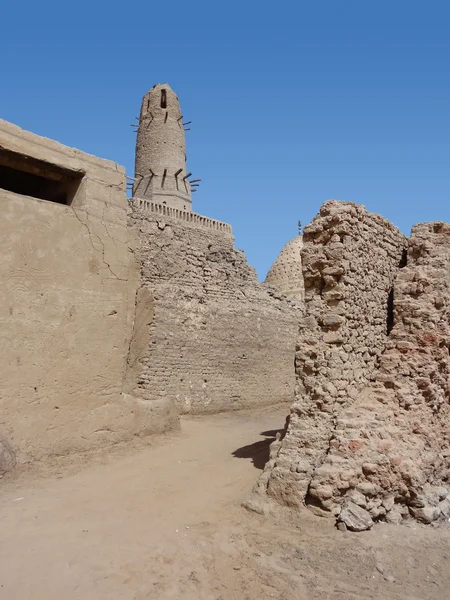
(165, 521)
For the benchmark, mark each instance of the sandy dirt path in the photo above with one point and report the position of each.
(164, 521)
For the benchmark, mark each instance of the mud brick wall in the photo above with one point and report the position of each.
(218, 339)
(67, 297)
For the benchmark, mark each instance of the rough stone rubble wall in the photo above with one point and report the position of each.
(395, 439)
(350, 259)
(218, 339)
(368, 433)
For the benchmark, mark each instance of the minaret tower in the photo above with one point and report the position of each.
(160, 167)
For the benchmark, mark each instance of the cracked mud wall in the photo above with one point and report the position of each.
(68, 283)
(219, 339)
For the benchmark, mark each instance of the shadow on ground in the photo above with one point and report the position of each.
(258, 452)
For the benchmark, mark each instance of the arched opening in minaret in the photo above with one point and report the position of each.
(163, 99)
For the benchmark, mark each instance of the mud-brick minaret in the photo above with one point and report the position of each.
(160, 171)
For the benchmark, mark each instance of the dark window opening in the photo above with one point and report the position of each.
(163, 99)
(28, 176)
(390, 312)
(404, 258)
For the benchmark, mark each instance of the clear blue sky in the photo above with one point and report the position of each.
(292, 102)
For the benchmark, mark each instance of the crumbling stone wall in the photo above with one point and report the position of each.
(395, 439)
(368, 435)
(350, 259)
(218, 339)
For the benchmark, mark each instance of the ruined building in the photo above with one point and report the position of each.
(369, 430)
(118, 315)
